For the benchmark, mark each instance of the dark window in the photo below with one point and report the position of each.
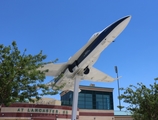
(90, 100)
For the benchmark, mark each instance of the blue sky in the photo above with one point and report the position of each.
(61, 28)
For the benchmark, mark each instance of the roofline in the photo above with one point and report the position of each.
(92, 88)
(95, 87)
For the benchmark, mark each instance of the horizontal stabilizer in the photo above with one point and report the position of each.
(72, 89)
(98, 76)
(54, 69)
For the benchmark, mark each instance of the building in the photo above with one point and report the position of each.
(94, 103)
(122, 115)
(90, 97)
(45, 109)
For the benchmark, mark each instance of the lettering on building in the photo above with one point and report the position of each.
(41, 110)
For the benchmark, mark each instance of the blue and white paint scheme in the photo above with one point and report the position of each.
(82, 62)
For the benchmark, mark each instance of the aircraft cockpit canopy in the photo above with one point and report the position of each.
(95, 34)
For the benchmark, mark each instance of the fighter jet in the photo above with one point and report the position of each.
(82, 62)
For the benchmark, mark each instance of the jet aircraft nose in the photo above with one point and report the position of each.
(124, 21)
(117, 26)
(128, 16)
(127, 19)
(121, 24)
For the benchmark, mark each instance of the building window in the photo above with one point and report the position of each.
(103, 101)
(90, 100)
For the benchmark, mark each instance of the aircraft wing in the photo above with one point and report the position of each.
(54, 69)
(98, 76)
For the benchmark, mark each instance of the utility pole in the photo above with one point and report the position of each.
(116, 70)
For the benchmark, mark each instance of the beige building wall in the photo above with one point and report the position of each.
(87, 114)
(49, 101)
(15, 118)
(63, 119)
(123, 118)
(95, 118)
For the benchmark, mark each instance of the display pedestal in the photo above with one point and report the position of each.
(75, 98)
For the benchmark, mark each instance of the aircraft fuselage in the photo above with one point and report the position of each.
(98, 43)
(82, 62)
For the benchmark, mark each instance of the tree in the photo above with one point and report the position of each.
(143, 101)
(19, 78)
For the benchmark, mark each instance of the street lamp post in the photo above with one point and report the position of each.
(116, 70)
